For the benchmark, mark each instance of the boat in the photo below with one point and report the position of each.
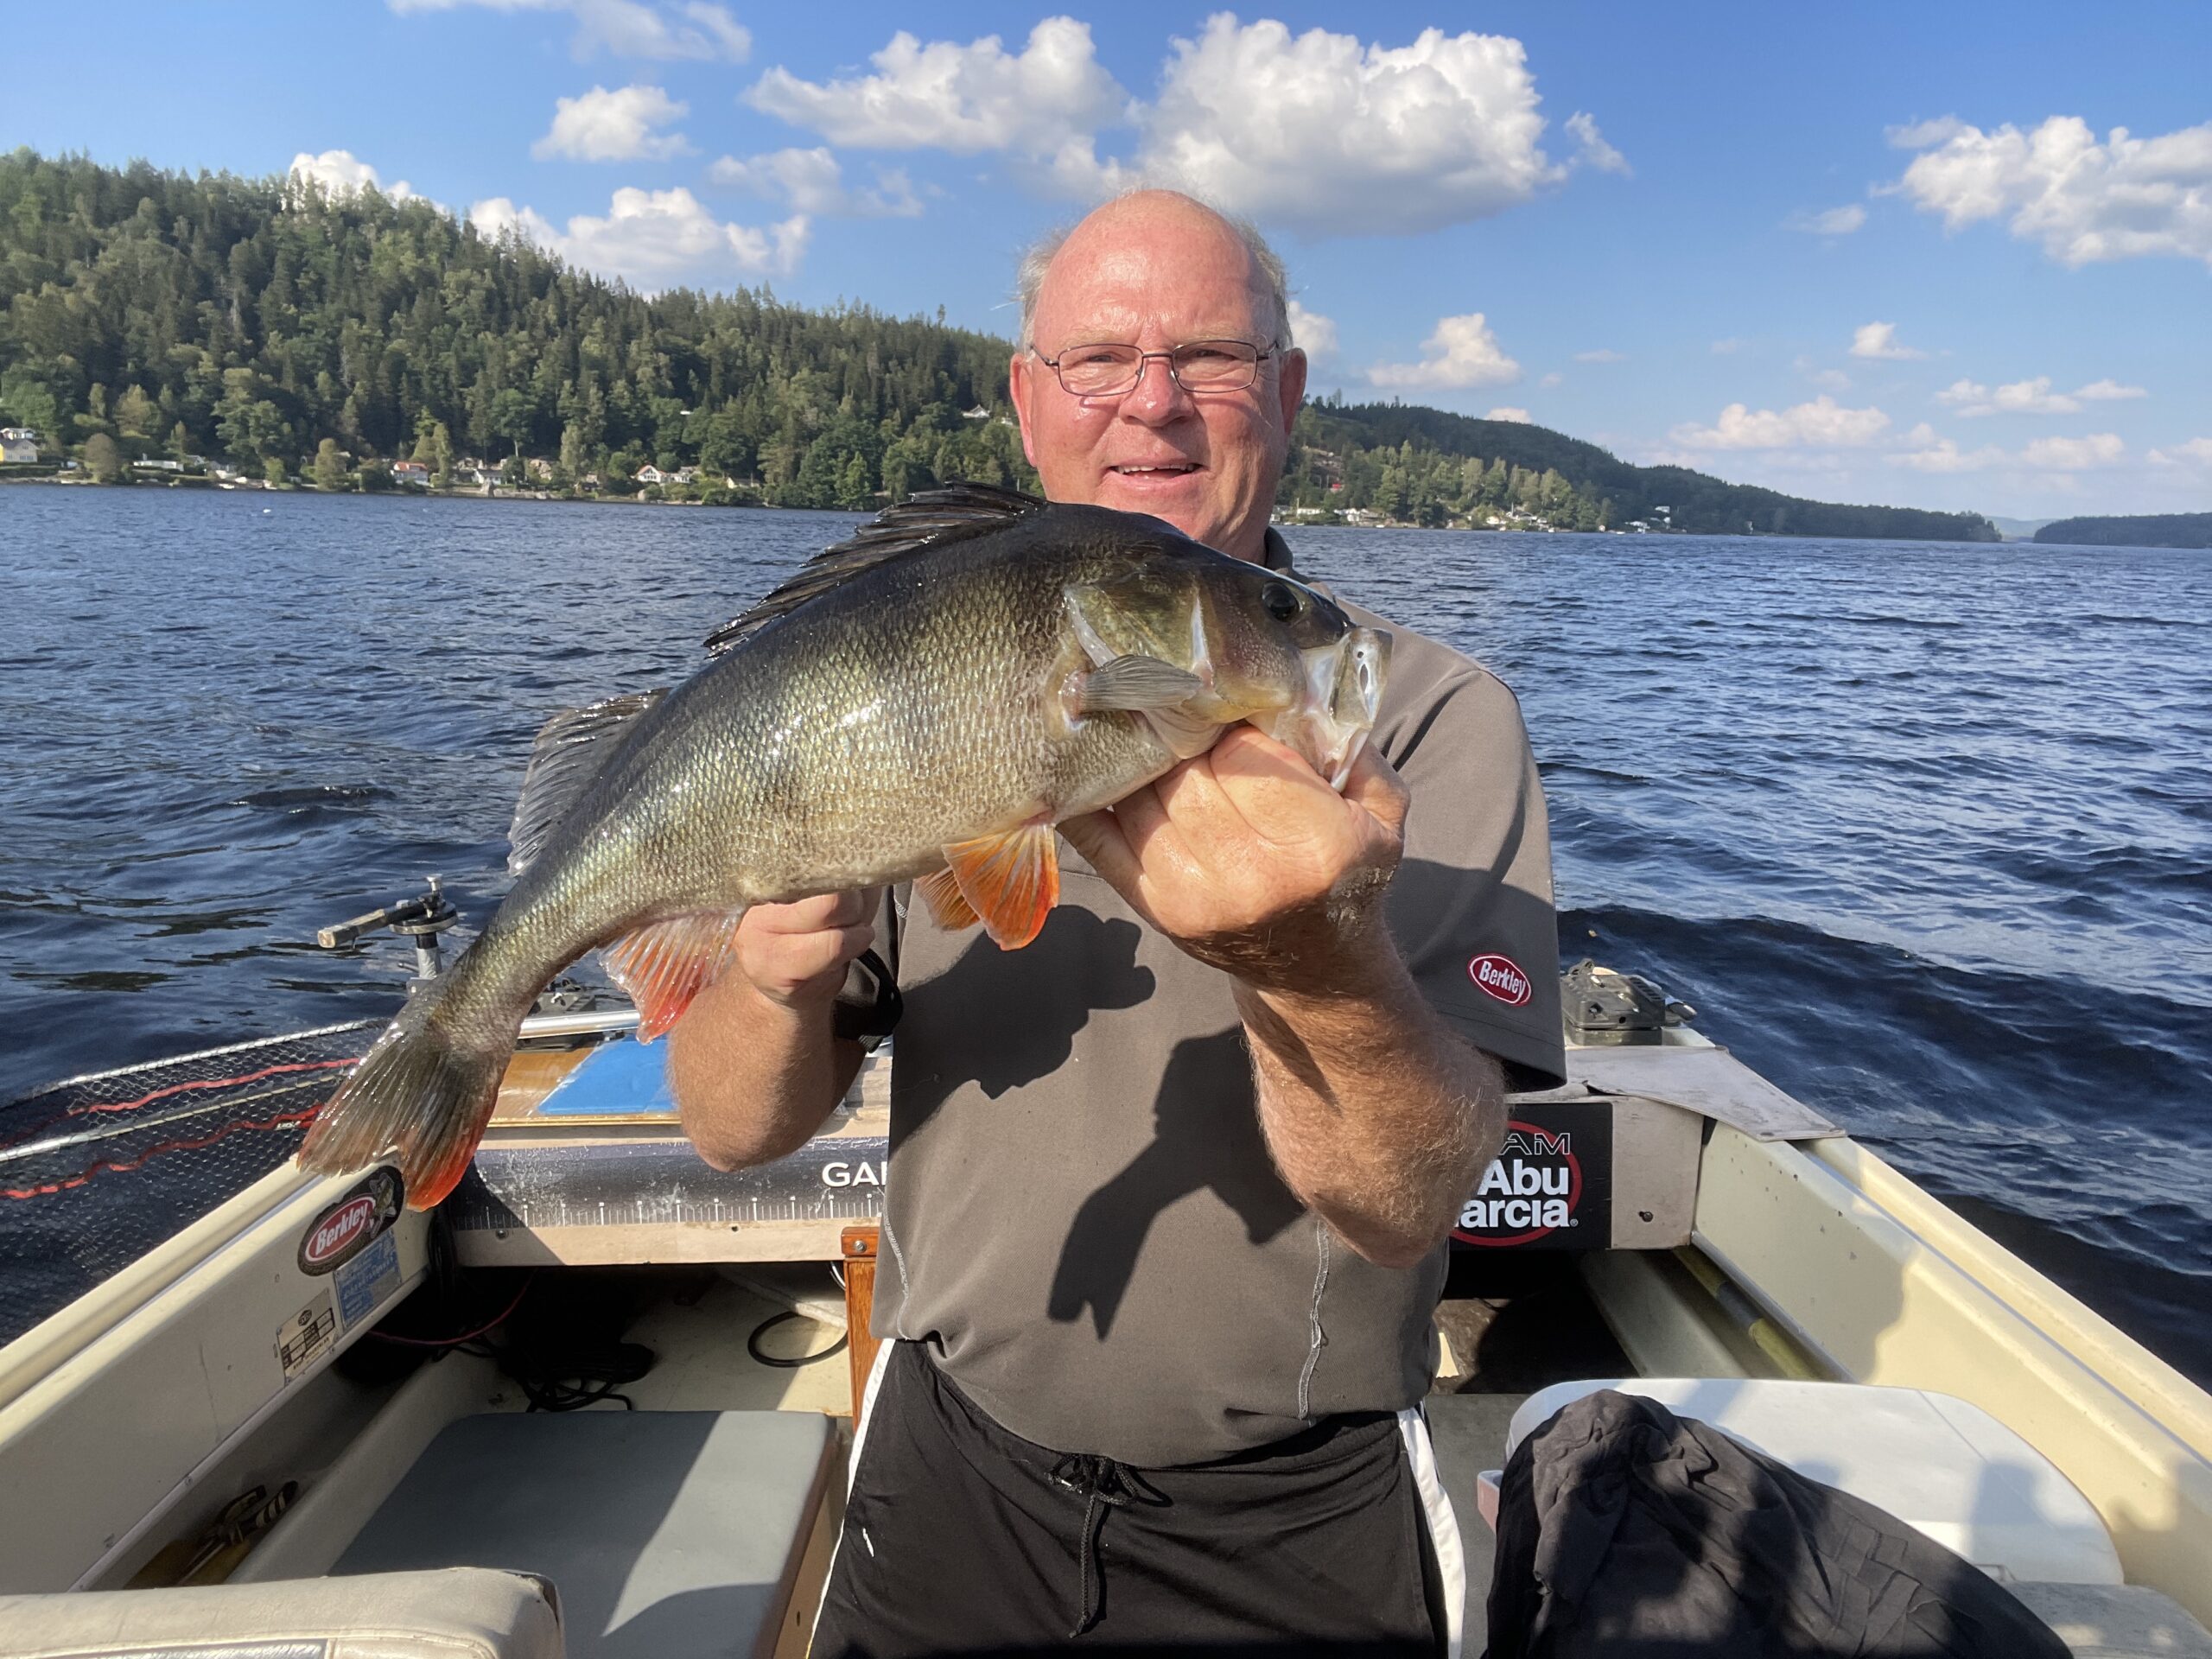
(598, 1401)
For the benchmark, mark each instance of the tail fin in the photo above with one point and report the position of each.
(415, 1100)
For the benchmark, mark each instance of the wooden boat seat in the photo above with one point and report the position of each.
(668, 1535)
(1939, 1463)
(464, 1613)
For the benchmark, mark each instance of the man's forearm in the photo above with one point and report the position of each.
(754, 1078)
(1379, 1117)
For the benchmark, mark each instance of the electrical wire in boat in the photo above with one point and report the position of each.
(753, 1344)
(456, 1342)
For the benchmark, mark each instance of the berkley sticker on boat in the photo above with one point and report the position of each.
(1501, 977)
(350, 1225)
(1550, 1186)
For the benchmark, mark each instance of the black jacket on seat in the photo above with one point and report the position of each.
(1626, 1532)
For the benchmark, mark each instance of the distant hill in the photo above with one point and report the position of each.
(154, 315)
(1353, 442)
(2141, 529)
(2017, 530)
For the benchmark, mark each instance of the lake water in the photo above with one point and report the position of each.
(1924, 832)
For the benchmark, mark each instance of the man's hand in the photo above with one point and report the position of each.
(1247, 859)
(796, 955)
(1377, 1117)
(754, 1062)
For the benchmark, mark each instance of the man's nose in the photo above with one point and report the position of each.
(1158, 397)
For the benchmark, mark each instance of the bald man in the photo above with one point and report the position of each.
(1169, 1190)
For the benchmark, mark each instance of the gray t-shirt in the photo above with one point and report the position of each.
(1083, 1219)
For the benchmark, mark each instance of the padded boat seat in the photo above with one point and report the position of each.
(1940, 1464)
(463, 1613)
(668, 1535)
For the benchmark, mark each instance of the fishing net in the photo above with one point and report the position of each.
(96, 1171)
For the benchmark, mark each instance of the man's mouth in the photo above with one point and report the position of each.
(1169, 469)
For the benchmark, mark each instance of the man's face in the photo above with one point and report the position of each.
(1159, 273)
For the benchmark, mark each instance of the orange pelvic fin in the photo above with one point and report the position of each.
(663, 966)
(1012, 881)
(949, 907)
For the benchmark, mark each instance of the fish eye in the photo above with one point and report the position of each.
(1282, 601)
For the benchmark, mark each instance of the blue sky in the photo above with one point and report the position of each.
(1892, 253)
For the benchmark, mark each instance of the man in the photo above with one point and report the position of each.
(1169, 1188)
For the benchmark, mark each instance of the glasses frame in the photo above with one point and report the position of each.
(1259, 354)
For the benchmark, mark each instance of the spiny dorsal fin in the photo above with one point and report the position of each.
(929, 519)
(572, 748)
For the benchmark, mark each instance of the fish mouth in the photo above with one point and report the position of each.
(1343, 697)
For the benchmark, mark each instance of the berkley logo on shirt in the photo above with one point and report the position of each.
(1501, 977)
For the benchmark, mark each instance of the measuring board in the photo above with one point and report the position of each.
(657, 1200)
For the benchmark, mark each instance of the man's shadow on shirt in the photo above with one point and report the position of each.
(983, 1020)
(1207, 1134)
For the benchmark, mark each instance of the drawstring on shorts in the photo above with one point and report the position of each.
(1102, 1483)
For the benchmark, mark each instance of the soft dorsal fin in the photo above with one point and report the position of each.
(929, 519)
(571, 749)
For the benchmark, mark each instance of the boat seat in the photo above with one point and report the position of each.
(1939, 1463)
(2116, 1621)
(461, 1613)
(669, 1535)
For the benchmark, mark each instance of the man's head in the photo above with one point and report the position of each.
(1157, 270)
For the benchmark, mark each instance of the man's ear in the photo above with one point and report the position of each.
(1021, 386)
(1290, 384)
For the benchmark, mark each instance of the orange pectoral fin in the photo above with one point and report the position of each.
(1012, 881)
(663, 966)
(949, 906)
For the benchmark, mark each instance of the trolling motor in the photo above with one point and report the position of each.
(420, 918)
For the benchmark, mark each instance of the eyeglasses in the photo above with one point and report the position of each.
(1108, 370)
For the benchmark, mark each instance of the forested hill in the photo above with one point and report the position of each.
(1694, 501)
(150, 314)
(2141, 529)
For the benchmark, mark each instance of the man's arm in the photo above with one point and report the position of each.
(1379, 1118)
(754, 1062)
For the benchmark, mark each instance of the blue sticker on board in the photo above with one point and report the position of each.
(623, 1078)
(367, 1280)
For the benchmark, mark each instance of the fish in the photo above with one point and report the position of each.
(923, 703)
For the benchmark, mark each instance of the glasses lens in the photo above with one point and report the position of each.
(1216, 364)
(1088, 370)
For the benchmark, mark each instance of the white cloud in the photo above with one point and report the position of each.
(1832, 221)
(1318, 133)
(1315, 334)
(1591, 148)
(1605, 354)
(2075, 455)
(654, 239)
(812, 182)
(1324, 135)
(627, 28)
(1880, 340)
(617, 126)
(2082, 200)
(2030, 397)
(1727, 347)
(1826, 380)
(1552, 379)
(966, 99)
(1822, 423)
(341, 173)
(1462, 352)
(2194, 452)
(1508, 412)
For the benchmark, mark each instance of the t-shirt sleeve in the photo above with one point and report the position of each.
(1471, 905)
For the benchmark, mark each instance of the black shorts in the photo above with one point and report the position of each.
(960, 1537)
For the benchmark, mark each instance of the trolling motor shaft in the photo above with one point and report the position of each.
(420, 919)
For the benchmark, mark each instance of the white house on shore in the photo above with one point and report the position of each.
(18, 445)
